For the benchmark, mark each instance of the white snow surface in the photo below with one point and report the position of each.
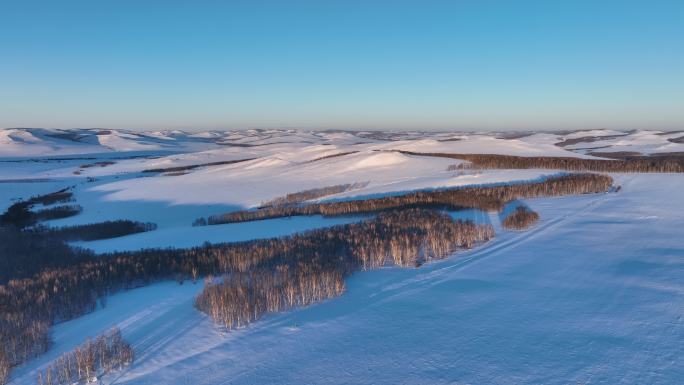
(35, 142)
(251, 183)
(593, 294)
(643, 142)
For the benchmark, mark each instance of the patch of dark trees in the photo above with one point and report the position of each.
(57, 212)
(95, 164)
(521, 218)
(485, 198)
(28, 250)
(104, 163)
(60, 196)
(662, 163)
(194, 166)
(25, 252)
(96, 231)
(20, 215)
(84, 364)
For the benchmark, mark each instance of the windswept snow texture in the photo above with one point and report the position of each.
(594, 293)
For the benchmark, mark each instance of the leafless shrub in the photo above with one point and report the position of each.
(521, 218)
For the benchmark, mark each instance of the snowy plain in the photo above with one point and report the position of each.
(593, 294)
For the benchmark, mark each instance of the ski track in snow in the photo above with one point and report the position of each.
(497, 246)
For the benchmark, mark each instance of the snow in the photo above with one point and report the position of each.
(121, 142)
(251, 183)
(378, 161)
(578, 299)
(15, 142)
(591, 133)
(594, 293)
(643, 142)
(51, 142)
(484, 144)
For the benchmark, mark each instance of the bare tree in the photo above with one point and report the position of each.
(88, 361)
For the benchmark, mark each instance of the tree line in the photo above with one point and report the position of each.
(299, 197)
(656, 163)
(485, 198)
(25, 252)
(292, 279)
(95, 231)
(57, 212)
(84, 364)
(27, 247)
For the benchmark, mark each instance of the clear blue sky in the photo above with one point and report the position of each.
(460, 64)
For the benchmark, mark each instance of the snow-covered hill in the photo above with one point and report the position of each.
(34, 142)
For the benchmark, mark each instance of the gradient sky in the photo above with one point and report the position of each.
(460, 64)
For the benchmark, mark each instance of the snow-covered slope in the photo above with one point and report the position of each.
(36, 142)
(593, 294)
(253, 182)
(56, 142)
